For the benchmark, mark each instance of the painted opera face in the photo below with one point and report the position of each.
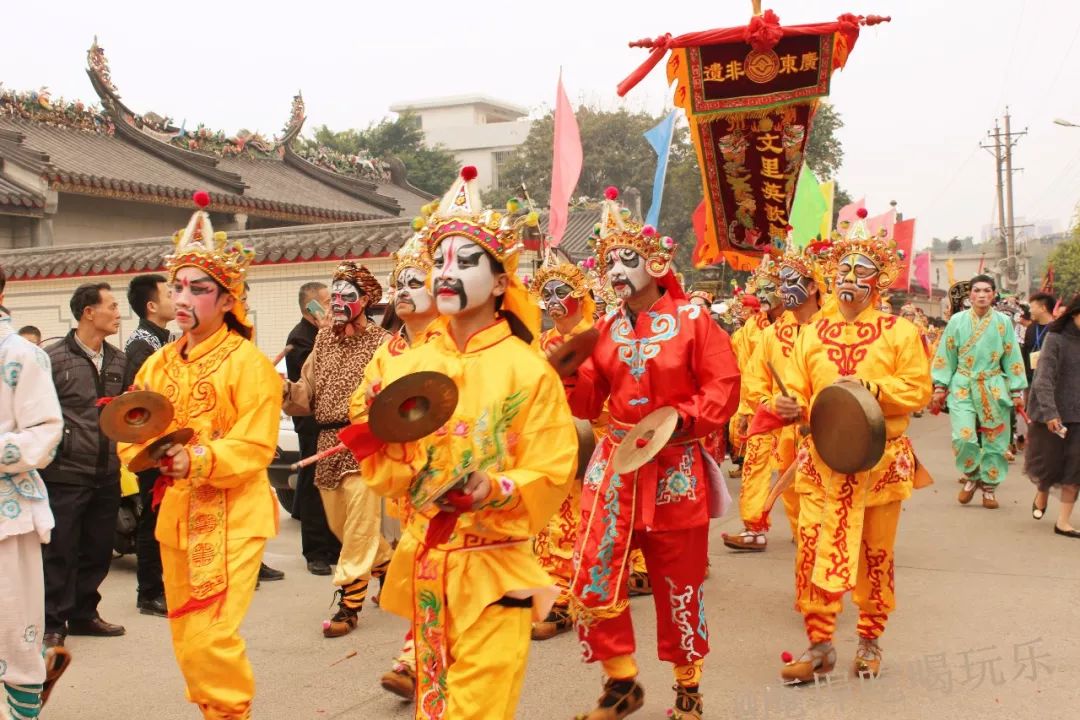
(795, 288)
(627, 273)
(346, 302)
(559, 301)
(768, 293)
(463, 276)
(411, 295)
(856, 278)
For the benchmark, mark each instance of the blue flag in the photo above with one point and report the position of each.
(660, 139)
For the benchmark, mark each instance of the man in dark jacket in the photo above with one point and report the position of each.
(84, 478)
(150, 298)
(319, 545)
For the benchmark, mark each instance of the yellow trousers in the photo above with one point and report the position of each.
(207, 643)
(354, 514)
(756, 476)
(874, 586)
(485, 675)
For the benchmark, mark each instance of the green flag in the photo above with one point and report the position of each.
(807, 210)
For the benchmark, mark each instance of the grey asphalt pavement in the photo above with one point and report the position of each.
(986, 628)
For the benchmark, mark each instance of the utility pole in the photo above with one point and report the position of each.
(1002, 152)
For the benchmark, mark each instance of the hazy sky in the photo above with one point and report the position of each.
(918, 95)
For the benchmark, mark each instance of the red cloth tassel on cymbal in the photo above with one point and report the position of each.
(764, 420)
(361, 441)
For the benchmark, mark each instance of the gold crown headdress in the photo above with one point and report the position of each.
(767, 270)
(414, 253)
(617, 230)
(703, 294)
(557, 266)
(362, 278)
(855, 237)
(198, 246)
(462, 214)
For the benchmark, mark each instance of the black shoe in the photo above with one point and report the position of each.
(153, 606)
(1066, 533)
(53, 639)
(95, 627)
(268, 573)
(319, 567)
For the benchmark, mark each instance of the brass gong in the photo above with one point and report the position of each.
(848, 428)
(567, 357)
(413, 407)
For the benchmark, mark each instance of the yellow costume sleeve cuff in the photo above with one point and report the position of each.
(201, 459)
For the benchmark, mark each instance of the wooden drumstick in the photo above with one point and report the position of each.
(311, 460)
(776, 378)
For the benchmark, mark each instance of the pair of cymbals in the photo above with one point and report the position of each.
(568, 356)
(413, 407)
(645, 440)
(136, 416)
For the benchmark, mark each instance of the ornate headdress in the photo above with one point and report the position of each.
(618, 230)
(881, 250)
(703, 294)
(462, 214)
(362, 278)
(413, 254)
(557, 266)
(198, 246)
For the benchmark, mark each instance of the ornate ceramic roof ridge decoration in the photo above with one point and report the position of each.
(39, 106)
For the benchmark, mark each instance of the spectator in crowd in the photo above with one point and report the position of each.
(1041, 307)
(1053, 452)
(150, 298)
(266, 572)
(84, 479)
(31, 334)
(318, 544)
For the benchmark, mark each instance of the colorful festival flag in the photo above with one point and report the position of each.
(922, 272)
(750, 94)
(850, 213)
(828, 191)
(808, 209)
(565, 165)
(903, 234)
(660, 139)
(885, 220)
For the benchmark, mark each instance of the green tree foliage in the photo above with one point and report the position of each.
(1065, 259)
(824, 151)
(431, 169)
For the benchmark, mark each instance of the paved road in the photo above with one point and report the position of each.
(986, 628)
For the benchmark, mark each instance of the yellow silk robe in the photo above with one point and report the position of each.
(513, 422)
(886, 351)
(227, 391)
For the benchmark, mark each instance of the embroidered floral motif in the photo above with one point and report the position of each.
(10, 509)
(11, 454)
(11, 372)
(678, 483)
(595, 474)
(431, 657)
(680, 617)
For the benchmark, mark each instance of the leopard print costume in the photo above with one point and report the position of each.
(338, 364)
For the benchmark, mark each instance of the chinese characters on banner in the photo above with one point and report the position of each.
(750, 94)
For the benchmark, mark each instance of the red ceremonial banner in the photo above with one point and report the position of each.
(750, 94)
(904, 237)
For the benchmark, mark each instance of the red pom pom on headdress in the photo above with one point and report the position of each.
(201, 198)
(861, 212)
(468, 173)
(611, 192)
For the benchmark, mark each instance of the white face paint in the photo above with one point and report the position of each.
(411, 296)
(558, 299)
(463, 276)
(345, 302)
(626, 272)
(856, 278)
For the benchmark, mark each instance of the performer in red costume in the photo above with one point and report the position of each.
(656, 350)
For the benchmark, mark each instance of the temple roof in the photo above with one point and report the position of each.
(111, 151)
(301, 243)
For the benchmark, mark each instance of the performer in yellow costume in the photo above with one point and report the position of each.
(464, 572)
(848, 523)
(759, 449)
(218, 509)
(410, 318)
(801, 287)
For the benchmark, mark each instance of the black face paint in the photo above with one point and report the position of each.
(454, 286)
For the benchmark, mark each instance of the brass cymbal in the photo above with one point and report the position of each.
(567, 357)
(136, 416)
(586, 445)
(153, 452)
(848, 428)
(413, 406)
(654, 430)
